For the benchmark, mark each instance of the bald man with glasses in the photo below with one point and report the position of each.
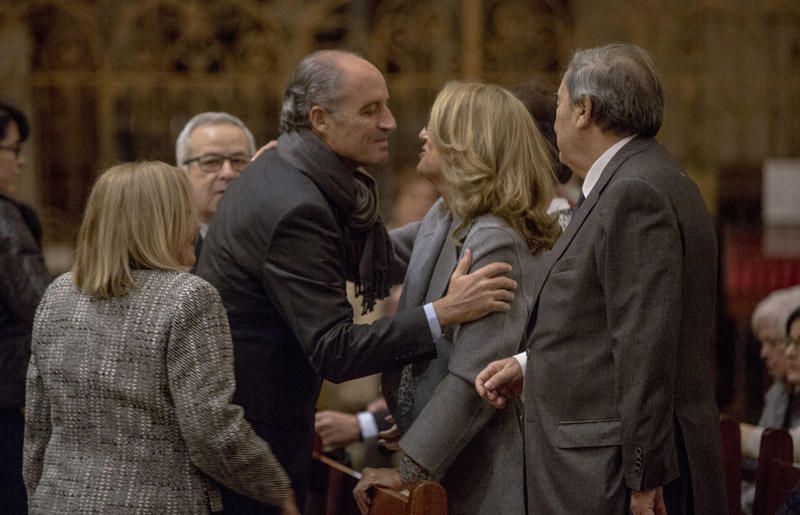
(213, 148)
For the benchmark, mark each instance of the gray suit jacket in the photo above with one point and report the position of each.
(619, 386)
(128, 403)
(474, 450)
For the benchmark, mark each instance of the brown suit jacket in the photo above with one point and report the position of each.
(619, 385)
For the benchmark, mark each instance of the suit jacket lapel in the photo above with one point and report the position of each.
(431, 236)
(635, 146)
(427, 247)
(445, 264)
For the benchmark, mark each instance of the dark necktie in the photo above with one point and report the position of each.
(580, 200)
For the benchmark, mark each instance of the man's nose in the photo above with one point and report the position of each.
(227, 171)
(387, 122)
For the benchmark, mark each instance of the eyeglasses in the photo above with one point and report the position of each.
(16, 149)
(212, 163)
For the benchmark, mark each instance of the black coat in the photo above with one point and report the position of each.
(275, 251)
(23, 279)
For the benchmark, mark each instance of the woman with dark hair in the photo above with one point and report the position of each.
(23, 279)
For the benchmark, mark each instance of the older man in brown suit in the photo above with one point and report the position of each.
(619, 404)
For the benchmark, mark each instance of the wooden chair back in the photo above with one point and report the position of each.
(426, 498)
(783, 476)
(331, 493)
(776, 444)
(732, 462)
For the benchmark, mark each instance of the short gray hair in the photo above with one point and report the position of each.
(623, 85)
(774, 310)
(182, 149)
(317, 80)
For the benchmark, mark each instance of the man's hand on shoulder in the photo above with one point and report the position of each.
(471, 296)
(268, 146)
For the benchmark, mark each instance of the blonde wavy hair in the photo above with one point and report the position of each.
(494, 159)
(138, 216)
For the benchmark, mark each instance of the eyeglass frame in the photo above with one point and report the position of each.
(229, 158)
(15, 149)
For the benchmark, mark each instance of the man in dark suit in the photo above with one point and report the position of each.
(286, 237)
(618, 385)
(213, 149)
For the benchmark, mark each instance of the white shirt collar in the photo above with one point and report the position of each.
(203, 229)
(593, 175)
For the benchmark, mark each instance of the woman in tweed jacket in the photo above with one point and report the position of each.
(130, 381)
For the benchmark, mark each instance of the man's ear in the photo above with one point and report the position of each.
(584, 112)
(318, 117)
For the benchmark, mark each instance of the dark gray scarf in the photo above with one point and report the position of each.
(351, 191)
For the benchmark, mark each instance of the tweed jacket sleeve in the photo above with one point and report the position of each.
(200, 376)
(37, 428)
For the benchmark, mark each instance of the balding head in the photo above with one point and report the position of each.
(317, 80)
(343, 98)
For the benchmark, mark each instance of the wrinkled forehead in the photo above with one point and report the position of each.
(768, 334)
(219, 135)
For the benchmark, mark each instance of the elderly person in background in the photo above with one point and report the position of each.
(23, 279)
(770, 324)
(781, 406)
(213, 148)
(751, 435)
(131, 373)
(493, 168)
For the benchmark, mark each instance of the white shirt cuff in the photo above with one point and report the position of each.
(522, 359)
(752, 444)
(433, 322)
(366, 421)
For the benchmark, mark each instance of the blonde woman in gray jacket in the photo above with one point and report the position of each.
(130, 381)
(485, 155)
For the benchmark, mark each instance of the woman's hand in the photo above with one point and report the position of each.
(388, 478)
